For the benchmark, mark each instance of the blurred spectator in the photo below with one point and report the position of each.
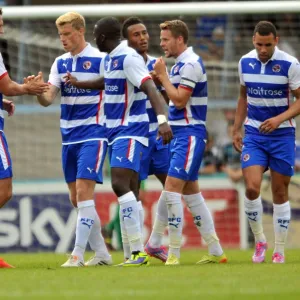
(210, 161)
(231, 164)
(219, 130)
(213, 48)
(210, 33)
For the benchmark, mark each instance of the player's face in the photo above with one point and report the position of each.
(70, 37)
(169, 43)
(1, 25)
(138, 37)
(265, 46)
(99, 39)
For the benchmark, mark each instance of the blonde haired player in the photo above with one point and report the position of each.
(83, 133)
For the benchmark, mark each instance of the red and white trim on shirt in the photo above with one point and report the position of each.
(3, 75)
(99, 106)
(126, 102)
(188, 88)
(190, 153)
(145, 79)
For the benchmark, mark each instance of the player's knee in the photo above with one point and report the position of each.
(280, 194)
(252, 192)
(119, 188)
(5, 196)
(73, 202)
(81, 193)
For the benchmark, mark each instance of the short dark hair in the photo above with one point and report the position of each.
(110, 27)
(129, 22)
(178, 28)
(265, 28)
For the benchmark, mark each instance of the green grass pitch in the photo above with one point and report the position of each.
(39, 276)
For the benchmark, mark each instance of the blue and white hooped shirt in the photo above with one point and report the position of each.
(268, 90)
(189, 73)
(125, 104)
(82, 110)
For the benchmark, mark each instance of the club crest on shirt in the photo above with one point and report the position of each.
(87, 65)
(115, 63)
(276, 68)
(176, 69)
(246, 157)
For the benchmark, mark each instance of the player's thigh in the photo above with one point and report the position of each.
(253, 177)
(69, 162)
(280, 184)
(90, 160)
(254, 153)
(185, 157)
(282, 156)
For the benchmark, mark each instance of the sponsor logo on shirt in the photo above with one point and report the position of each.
(111, 88)
(260, 91)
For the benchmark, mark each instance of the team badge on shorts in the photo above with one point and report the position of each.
(276, 68)
(87, 65)
(246, 157)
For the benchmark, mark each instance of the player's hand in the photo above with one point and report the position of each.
(9, 106)
(165, 132)
(155, 78)
(237, 141)
(160, 68)
(28, 78)
(269, 125)
(70, 79)
(36, 85)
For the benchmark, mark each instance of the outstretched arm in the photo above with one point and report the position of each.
(96, 84)
(47, 97)
(9, 87)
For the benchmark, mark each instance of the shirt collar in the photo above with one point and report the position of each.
(86, 48)
(184, 54)
(273, 57)
(121, 46)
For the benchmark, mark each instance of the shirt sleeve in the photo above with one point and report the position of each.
(136, 70)
(54, 77)
(189, 78)
(242, 82)
(3, 70)
(294, 75)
